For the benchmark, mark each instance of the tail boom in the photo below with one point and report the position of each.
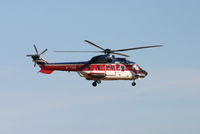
(48, 68)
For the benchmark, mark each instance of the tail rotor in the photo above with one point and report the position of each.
(36, 56)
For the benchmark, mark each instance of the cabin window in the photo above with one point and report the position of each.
(108, 67)
(89, 68)
(118, 67)
(112, 67)
(98, 67)
(122, 68)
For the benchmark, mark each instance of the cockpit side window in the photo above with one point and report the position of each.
(135, 67)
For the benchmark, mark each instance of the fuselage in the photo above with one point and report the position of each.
(117, 69)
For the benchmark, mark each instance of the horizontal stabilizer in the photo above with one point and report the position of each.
(46, 71)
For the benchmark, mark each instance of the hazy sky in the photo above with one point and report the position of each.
(167, 101)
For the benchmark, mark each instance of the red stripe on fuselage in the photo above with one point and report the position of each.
(96, 67)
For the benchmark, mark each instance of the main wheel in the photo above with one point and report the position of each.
(133, 84)
(94, 84)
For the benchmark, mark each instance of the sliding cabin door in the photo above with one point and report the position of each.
(121, 71)
(110, 70)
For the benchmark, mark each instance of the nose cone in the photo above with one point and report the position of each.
(145, 72)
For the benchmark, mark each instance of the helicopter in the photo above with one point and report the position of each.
(98, 68)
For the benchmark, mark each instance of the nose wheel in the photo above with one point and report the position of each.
(94, 84)
(133, 83)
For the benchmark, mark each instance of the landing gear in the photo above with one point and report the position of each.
(134, 83)
(94, 84)
(98, 81)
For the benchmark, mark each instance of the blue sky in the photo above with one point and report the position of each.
(167, 101)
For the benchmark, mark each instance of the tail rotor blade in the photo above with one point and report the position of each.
(35, 48)
(43, 51)
(35, 64)
(29, 55)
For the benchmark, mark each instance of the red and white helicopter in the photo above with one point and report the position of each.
(98, 68)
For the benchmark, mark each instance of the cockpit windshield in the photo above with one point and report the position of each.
(136, 67)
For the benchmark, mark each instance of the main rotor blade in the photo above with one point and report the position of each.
(43, 51)
(121, 54)
(94, 45)
(80, 51)
(128, 49)
(35, 48)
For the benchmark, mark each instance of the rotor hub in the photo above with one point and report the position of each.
(107, 51)
(35, 57)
